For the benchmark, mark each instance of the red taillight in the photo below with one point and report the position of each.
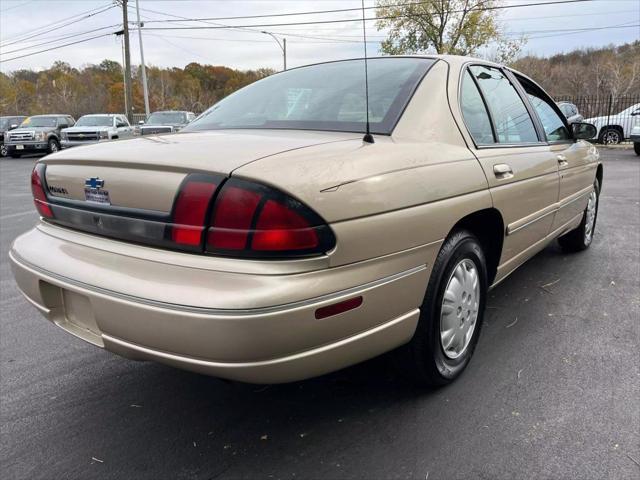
(233, 215)
(190, 209)
(256, 221)
(39, 193)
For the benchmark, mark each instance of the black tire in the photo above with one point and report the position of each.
(53, 146)
(15, 155)
(4, 151)
(423, 359)
(636, 147)
(611, 136)
(577, 240)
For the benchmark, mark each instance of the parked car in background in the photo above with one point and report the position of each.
(96, 128)
(165, 122)
(272, 241)
(570, 111)
(37, 134)
(635, 137)
(6, 124)
(613, 129)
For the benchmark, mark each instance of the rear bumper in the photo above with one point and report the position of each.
(273, 343)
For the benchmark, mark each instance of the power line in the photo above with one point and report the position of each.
(59, 39)
(59, 46)
(342, 10)
(344, 20)
(76, 20)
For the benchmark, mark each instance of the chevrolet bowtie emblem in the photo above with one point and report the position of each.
(94, 182)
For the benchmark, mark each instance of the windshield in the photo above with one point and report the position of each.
(329, 96)
(39, 122)
(94, 121)
(4, 123)
(166, 118)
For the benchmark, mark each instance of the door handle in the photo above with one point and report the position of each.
(562, 160)
(502, 171)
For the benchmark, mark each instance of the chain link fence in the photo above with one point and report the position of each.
(614, 117)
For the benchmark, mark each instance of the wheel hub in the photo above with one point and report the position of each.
(459, 310)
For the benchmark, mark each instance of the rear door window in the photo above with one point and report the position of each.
(511, 119)
(553, 124)
(475, 112)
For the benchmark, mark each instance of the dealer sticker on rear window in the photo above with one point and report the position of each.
(97, 196)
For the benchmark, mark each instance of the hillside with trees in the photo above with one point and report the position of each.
(596, 72)
(100, 88)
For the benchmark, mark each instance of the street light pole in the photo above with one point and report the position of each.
(282, 45)
(144, 70)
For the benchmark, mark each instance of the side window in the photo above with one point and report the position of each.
(553, 125)
(474, 112)
(62, 122)
(510, 116)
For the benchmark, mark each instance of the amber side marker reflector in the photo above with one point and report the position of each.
(339, 307)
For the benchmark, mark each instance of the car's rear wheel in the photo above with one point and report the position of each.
(4, 151)
(451, 314)
(581, 237)
(636, 148)
(53, 146)
(611, 136)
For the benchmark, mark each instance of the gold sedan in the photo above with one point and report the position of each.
(270, 241)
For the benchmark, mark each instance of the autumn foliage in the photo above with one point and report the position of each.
(100, 88)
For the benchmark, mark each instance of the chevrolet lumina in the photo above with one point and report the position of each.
(270, 241)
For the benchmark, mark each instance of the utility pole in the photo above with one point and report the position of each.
(127, 62)
(144, 70)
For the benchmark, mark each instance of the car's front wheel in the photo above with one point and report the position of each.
(581, 237)
(451, 314)
(53, 146)
(636, 148)
(611, 136)
(4, 151)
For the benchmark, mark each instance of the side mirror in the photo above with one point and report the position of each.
(584, 131)
(141, 122)
(13, 125)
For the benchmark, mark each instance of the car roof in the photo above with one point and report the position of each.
(102, 115)
(51, 115)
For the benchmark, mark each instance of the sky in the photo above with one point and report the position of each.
(26, 27)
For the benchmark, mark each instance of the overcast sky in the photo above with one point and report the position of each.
(241, 48)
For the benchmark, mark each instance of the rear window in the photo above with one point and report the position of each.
(328, 96)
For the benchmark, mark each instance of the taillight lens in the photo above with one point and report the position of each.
(39, 192)
(253, 220)
(190, 209)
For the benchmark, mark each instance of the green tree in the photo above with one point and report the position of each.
(457, 27)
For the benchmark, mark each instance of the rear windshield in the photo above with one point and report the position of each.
(328, 96)
(166, 118)
(94, 121)
(40, 122)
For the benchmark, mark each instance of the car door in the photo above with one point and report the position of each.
(123, 127)
(521, 170)
(575, 162)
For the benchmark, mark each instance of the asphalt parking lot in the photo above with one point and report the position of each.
(552, 391)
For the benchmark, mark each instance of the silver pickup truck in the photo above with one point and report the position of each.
(96, 128)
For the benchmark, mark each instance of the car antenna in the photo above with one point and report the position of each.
(368, 138)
